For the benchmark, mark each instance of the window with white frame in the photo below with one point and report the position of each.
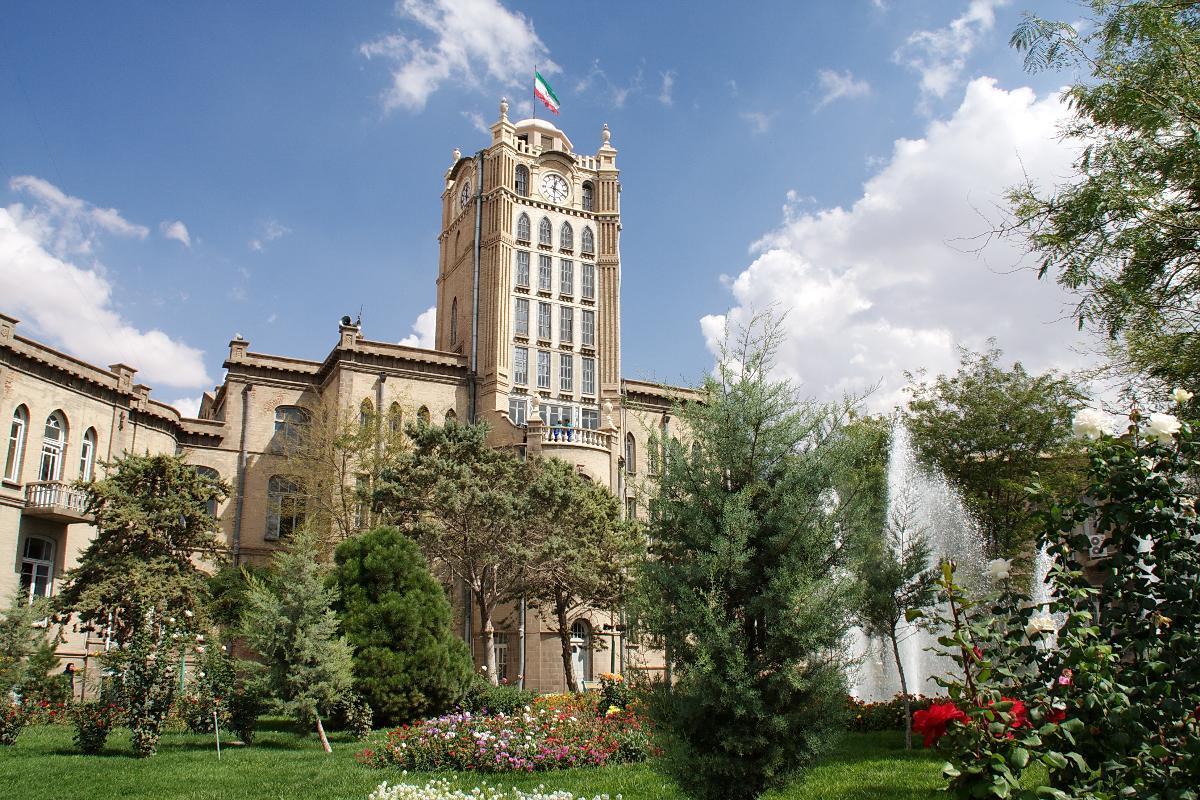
(521, 316)
(543, 331)
(589, 242)
(588, 281)
(543, 369)
(566, 237)
(566, 276)
(566, 372)
(87, 455)
(523, 228)
(522, 277)
(545, 232)
(589, 328)
(591, 419)
(521, 366)
(16, 444)
(518, 411)
(545, 273)
(566, 324)
(589, 376)
(285, 507)
(37, 567)
(362, 508)
(500, 646)
(54, 443)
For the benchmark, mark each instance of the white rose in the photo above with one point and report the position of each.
(1181, 395)
(1091, 423)
(999, 568)
(1040, 624)
(188, 613)
(1162, 428)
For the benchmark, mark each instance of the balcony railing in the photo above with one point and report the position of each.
(56, 500)
(584, 437)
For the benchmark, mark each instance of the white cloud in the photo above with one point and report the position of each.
(668, 86)
(477, 122)
(71, 306)
(187, 406)
(615, 93)
(891, 283)
(760, 122)
(941, 55)
(839, 85)
(424, 330)
(176, 230)
(268, 231)
(468, 42)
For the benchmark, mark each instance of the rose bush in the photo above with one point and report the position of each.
(94, 721)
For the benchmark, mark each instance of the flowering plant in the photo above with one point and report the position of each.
(13, 718)
(93, 722)
(884, 715)
(441, 790)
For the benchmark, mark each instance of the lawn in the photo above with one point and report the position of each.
(282, 764)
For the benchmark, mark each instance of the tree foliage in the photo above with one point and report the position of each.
(991, 431)
(1121, 232)
(744, 583)
(407, 662)
(23, 645)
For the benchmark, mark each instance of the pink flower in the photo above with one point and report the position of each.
(1065, 678)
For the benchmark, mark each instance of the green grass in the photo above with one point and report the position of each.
(282, 764)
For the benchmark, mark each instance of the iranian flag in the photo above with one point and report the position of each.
(543, 92)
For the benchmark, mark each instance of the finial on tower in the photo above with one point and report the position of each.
(456, 155)
(605, 136)
(503, 109)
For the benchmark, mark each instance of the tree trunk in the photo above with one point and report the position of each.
(321, 733)
(489, 639)
(564, 638)
(903, 691)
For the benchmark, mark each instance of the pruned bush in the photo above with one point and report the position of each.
(94, 721)
(482, 697)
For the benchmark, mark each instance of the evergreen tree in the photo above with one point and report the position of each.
(746, 583)
(290, 622)
(23, 644)
(407, 662)
(582, 554)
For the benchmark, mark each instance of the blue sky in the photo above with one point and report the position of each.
(174, 173)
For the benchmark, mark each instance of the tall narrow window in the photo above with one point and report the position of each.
(566, 372)
(523, 228)
(54, 442)
(543, 369)
(37, 567)
(210, 474)
(566, 276)
(589, 243)
(545, 273)
(450, 416)
(521, 184)
(566, 237)
(16, 444)
(566, 324)
(500, 645)
(630, 454)
(423, 415)
(589, 328)
(523, 268)
(521, 317)
(285, 507)
(87, 455)
(543, 320)
(366, 411)
(588, 281)
(521, 366)
(587, 196)
(454, 322)
(589, 376)
(545, 232)
(395, 418)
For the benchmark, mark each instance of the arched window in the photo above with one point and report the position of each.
(451, 416)
(423, 415)
(545, 232)
(16, 444)
(54, 444)
(581, 650)
(210, 474)
(589, 242)
(285, 507)
(522, 181)
(366, 411)
(290, 421)
(696, 453)
(87, 455)
(587, 195)
(37, 567)
(454, 322)
(395, 418)
(630, 454)
(566, 237)
(523, 228)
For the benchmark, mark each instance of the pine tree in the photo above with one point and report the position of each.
(745, 582)
(407, 662)
(290, 622)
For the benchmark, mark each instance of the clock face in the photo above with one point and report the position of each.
(554, 188)
(464, 196)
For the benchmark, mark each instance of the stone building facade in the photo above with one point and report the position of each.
(528, 340)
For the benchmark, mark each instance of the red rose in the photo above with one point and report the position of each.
(933, 721)
(1019, 713)
(1056, 715)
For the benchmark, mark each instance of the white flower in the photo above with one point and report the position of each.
(200, 673)
(171, 620)
(1040, 624)
(1091, 423)
(187, 612)
(1181, 395)
(1162, 428)
(999, 568)
(199, 648)
(199, 637)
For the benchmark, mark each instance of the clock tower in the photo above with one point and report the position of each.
(529, 277)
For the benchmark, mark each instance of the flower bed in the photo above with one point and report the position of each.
(535, 739)
(885, 715)
(440, 790)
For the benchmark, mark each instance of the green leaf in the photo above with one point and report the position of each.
(1019, 757)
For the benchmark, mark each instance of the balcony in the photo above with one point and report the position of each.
(578, 437)
(57, 501)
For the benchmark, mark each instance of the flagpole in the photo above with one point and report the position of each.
(535, 100)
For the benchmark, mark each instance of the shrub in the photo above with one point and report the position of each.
(407, 662)
(13, 718)
(614, 692)
(484, 698)
(93, 722)
(584, 704)
(245, 705)
(883, 715)
(353, 714)
(196, 711)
